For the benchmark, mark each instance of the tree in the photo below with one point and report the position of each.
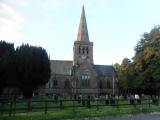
(147, 62)
(142, 75)
(126, 76)
(6, 65)
(33, 68)
(117, 66)
(123, 73)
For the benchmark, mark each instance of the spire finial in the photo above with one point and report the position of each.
(83, 31)
(83, 7)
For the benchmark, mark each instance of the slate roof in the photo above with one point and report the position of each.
(62, 67)
(104, 70)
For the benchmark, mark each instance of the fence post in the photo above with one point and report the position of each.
(73, 105)
(10, 108)
(83, 101)
(79, 100)
(97, 105)
(45, 111)
(117, 103)
(149, 103)
(2, 107)
(29, 105)
(61, 104)
(88, 102)
(14, 109)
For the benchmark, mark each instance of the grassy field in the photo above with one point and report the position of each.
(38, 110)
(81, 113)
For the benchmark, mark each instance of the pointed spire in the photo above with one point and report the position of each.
(83, 31)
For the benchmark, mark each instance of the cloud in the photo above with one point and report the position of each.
(11, 12)
(11, 22)
(20, 3)
(7, 22)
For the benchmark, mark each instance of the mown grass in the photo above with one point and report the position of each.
(60, 114)
(78, 112)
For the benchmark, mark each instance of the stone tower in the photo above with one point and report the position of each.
(81, 76)
(84, 74)
(83, 48)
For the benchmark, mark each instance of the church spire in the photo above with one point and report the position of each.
(83, 31)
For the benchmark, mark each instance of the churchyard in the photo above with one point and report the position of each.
(48, 107)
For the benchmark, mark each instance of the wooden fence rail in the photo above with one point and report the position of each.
(16, 106)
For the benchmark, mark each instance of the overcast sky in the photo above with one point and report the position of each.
(114, 26)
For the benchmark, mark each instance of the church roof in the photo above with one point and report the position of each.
(61, 67)
(104, 70)
(83, 31)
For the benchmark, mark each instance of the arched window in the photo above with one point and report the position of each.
(85, 77)
(100, 84)
(83, 50)
(108, 84)
(67, 84)
(87, 50)
(79, 49)
(55, 82)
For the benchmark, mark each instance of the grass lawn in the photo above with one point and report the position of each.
(38, 112)
(68, 113)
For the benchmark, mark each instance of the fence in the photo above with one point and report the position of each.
(12, 107)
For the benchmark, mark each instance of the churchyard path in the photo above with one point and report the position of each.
(149, 116)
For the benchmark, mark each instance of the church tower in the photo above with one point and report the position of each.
(83, 48)
(81, 76)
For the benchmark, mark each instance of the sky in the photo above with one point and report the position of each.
(114, 26)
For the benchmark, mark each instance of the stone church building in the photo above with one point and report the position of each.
(81, 76)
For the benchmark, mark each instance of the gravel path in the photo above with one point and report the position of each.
(150, 116)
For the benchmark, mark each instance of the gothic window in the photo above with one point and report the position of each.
(83, 50)
(79, 50)
(55, 83)
(87, 50)
(67, 84)
(100, 84)
(108, 84)
(85, 77)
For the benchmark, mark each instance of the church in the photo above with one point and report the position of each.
(80, 76)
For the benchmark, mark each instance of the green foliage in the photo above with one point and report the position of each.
(147, 61)
(126, 74)
(33, 68)
(6, 64)
(26, 68)
(143, 74)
